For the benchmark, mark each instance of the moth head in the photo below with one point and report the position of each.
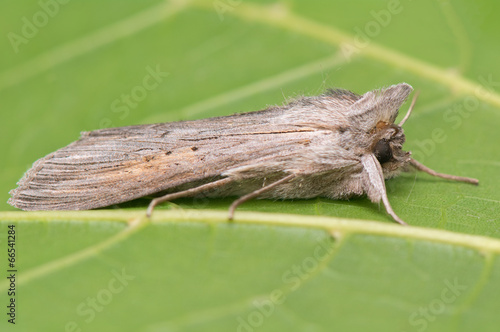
(386, 137)
(388, 142)
(387, 147)
(373, 115)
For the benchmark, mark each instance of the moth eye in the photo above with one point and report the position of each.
(382, 151)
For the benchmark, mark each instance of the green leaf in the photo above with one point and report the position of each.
(303, 265)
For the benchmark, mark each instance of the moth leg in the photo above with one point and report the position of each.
(389, 210)
(377, 189)
(427, 170)
(184, 193)
(256, 193)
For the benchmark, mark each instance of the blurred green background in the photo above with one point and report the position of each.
(69, 66)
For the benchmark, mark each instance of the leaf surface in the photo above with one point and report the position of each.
(304, 265)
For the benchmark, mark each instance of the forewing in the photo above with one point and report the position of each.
(111, 166)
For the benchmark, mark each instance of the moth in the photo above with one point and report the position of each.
(336, 145)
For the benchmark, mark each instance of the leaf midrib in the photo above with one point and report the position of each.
(339, 228)
(342, 226)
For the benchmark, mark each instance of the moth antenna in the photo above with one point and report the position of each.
(414, 100)
(184, 193)
(256, 193)
(427, 170)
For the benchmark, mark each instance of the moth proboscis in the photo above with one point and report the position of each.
(336, 145)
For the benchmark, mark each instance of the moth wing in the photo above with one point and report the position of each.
(98, 171)
(111, 166)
